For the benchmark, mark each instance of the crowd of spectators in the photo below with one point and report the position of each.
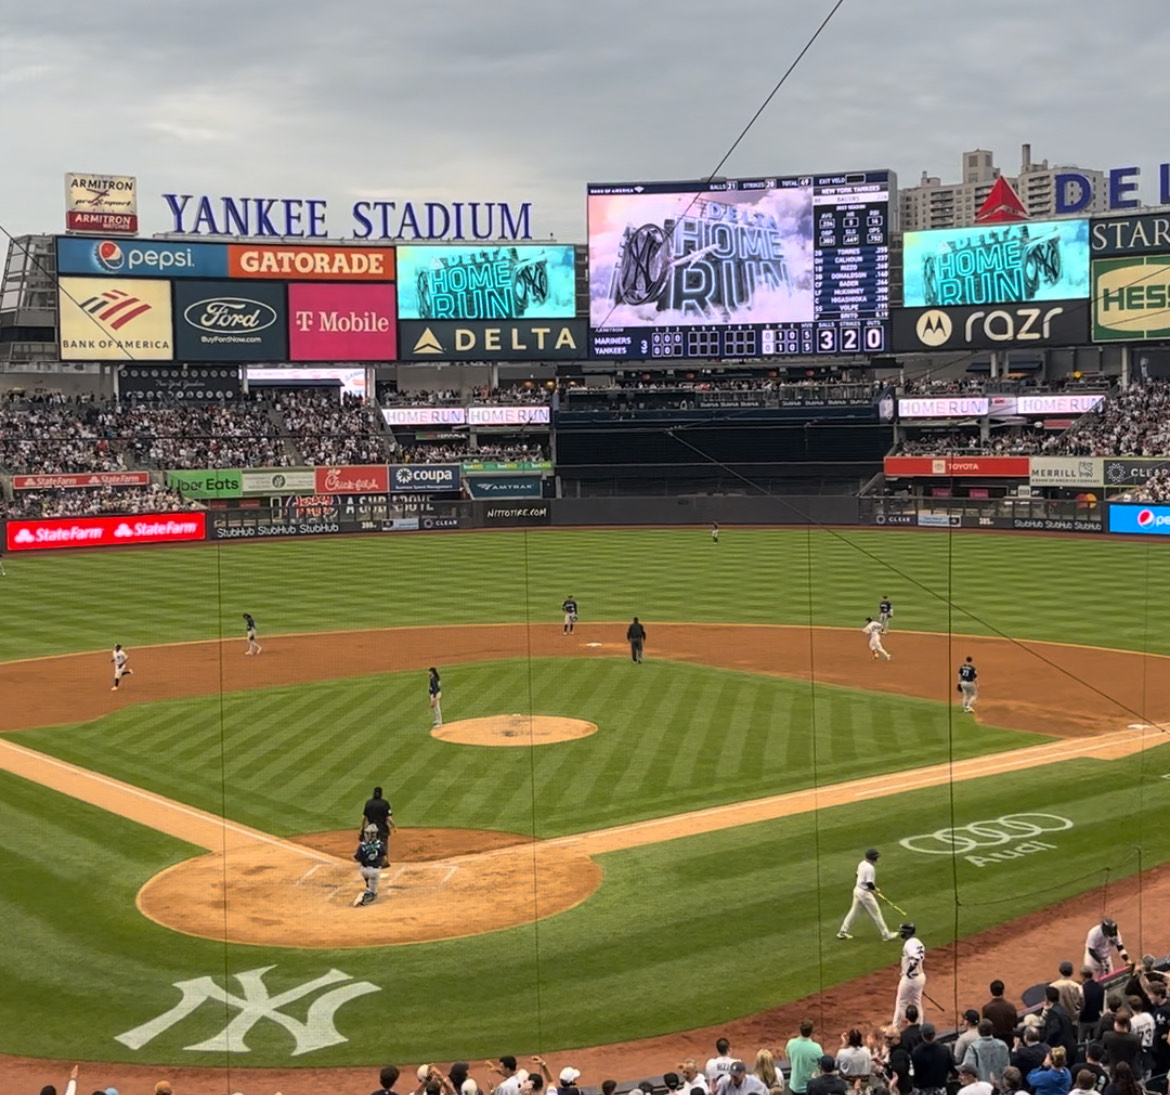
(1154, 489)
(1135, 422)
(215, 435)
(1079, 1040)
(453, 452)
(328, 430)
(390, 396)
(1020, 441)
(52, 434)
(91, 501)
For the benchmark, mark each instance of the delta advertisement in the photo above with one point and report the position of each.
(691, 257)
(74, 532)
(141, 258)
(230, 321)
(342, 322)
(115, 319)
(514, 282)
(1131, 299)
(502, 340)
(1000, 264)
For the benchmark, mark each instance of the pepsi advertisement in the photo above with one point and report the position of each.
(1140, 520)
(141, 258)
(515, 282)
(996, 264)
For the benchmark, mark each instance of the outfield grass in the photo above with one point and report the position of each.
(672, 737)
(1088, 590)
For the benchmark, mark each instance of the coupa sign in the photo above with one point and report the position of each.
(996, 840)
(424, 477)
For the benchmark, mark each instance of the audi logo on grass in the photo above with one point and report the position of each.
(984, 836)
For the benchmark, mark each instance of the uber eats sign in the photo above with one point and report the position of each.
(1131, 299)
(206, 484)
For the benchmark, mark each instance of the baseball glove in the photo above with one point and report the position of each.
(958, 688)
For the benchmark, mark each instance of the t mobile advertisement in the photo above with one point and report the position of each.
(72, 532)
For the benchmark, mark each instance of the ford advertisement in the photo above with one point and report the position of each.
(424, 477)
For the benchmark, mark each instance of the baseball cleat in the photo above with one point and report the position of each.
(844, 935)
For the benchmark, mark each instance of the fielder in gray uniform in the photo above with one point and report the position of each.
(968, 686)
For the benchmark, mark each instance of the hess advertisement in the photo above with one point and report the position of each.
(1131, 299)
(342, 322)
(487, 283)
(115, 319)
(996, 264)
(230, 321)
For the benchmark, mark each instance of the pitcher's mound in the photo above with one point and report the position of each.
(514, 730)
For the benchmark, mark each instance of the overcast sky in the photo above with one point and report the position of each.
(529, 99)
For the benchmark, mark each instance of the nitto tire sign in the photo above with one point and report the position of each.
(991, 327)
(517, 515)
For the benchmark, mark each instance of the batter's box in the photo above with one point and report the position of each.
(420, 876)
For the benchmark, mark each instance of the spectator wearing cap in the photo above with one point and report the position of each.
(766, 1072)
(672, 1080)
(1093, 994)
(567, 1084)
(827, 1081)
(1003, 1014)
(803, 1058)
(970, 1084)
(854, 1061)
(387, 1078)
(719, 1065)
(988, 1054)
(739, 1081)
(932, 1064)
(1072, 997)
(692, 1078)
(967, 1035)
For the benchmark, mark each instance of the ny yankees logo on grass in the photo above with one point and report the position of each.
(317, 1032)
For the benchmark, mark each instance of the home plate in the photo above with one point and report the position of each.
(593, 644)
(1139, 726)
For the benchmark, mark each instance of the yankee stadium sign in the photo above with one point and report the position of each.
(305, 218)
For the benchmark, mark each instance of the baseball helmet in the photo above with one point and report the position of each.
(1109, 926)
(872, 855)
(370, 830)
(906, 930)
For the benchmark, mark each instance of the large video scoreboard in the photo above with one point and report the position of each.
(740, 267)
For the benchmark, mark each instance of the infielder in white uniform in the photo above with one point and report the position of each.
(913, 979)
(121, 669)
(865, 898)
(1103, 939)
(874, 630)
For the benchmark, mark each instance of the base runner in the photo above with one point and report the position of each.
(121, 669)
(874, 630)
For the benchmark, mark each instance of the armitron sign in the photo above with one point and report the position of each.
(105, 204)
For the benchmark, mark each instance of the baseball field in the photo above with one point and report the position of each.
(176, 856)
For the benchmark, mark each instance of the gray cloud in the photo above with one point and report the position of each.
(530, 99)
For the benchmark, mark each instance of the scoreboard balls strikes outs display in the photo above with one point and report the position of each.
(740, 267)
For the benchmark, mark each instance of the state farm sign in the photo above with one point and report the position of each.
(359, 479)
(56, 481)
(67, 532)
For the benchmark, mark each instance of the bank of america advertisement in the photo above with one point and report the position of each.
(514, 282)
(686, 258)
(996, 264)
(1131, 299)
(115, 319)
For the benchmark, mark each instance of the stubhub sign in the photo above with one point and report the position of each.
(1142, 520)
(138, 528)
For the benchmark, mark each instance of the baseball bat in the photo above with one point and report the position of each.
(896, 908)
(933, 1001)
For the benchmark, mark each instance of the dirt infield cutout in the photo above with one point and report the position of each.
(514, 730)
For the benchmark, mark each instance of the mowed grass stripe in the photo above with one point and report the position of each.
(1014, 585)
(276, 771)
